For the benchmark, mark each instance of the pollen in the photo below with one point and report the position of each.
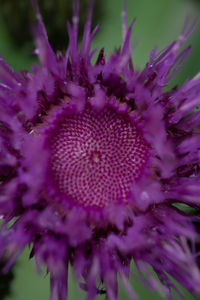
(96, 156)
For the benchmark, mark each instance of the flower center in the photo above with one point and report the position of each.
(96, 156)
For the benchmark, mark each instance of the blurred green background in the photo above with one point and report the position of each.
(157, 23)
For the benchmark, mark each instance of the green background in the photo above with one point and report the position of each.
(158, 22)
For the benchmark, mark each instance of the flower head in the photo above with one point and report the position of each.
(94, 159)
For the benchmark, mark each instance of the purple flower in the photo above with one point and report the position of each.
(95, 159)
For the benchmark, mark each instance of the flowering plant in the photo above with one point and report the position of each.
(94, 159)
